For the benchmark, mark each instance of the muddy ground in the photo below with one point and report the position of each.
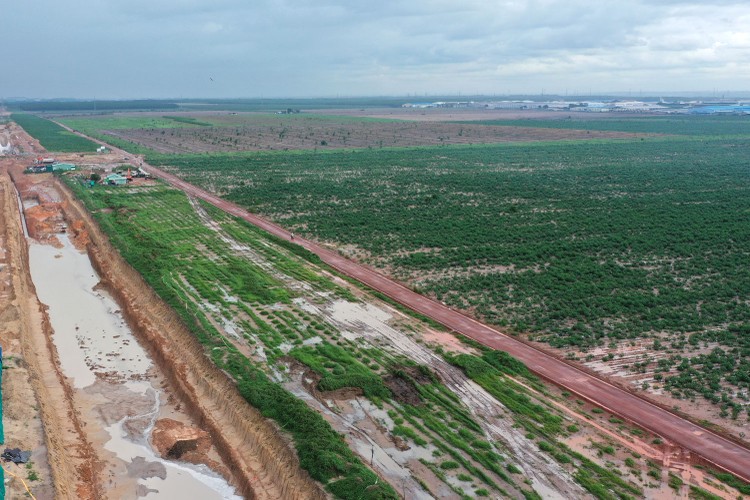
(22, 418)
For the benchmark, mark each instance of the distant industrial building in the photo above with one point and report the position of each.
(613, 106)
(737, 109)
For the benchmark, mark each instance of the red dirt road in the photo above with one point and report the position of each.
(722, 452)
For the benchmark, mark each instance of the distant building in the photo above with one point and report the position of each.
(711, 110)
(421, 105)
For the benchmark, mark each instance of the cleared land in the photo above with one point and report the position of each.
(261, 132)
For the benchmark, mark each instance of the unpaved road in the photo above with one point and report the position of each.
(714, 448)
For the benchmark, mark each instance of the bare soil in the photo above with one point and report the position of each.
(22, 418)
(620, 369)
(251, 132)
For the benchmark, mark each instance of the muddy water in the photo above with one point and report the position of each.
(110, 372)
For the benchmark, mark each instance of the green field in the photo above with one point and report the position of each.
(208, 283)
(91, 124)
(678, 125)
(579, 244)
(58, 106)
(53, 137)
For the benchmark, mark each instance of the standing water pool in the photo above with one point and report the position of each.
(116, 385)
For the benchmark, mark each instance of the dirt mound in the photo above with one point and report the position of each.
(175, 440)
(403, 390)
(43, 221)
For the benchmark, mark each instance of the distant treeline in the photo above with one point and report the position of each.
(96, 105)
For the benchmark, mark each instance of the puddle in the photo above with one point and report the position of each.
(89, 334)
(29, 203)
(96, 347)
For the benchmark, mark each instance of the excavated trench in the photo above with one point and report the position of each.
(258, 458)
(111, 455)
(109, 374)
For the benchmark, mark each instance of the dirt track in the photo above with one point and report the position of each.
(712, 447)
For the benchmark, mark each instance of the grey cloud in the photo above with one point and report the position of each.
(306, 47)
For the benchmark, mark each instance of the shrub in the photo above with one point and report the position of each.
(449, 464)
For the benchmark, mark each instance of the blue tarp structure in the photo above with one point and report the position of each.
(711, 110)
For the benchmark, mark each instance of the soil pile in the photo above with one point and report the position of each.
(43, 221)
(173, 439)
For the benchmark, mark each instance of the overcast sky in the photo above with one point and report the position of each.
(283, 48)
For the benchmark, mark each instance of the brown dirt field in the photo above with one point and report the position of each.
(273, 133)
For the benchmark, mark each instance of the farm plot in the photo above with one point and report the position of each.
(674, 125)
(581, 245)
(258, 132)
(52, 136)
(301, 345)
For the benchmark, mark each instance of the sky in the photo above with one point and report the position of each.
(118, 49)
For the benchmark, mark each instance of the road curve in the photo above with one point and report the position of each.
(721, 452)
